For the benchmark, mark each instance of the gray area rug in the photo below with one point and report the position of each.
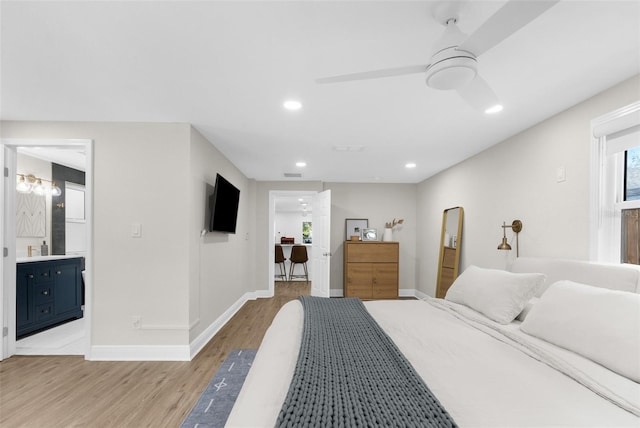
(215, 403)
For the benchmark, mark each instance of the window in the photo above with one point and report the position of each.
(615, 186)
(632, 174)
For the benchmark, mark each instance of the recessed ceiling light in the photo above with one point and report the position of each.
(292, 105)
(495, 109)
(410, 165)
(301, 164)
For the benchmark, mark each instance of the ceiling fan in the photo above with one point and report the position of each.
(454, 58)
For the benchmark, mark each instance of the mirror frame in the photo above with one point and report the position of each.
(450, 269)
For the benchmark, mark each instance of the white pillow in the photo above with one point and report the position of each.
(498, 294)
(600, 324)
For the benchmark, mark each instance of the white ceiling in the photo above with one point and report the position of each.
(294, 203)
(63, 153)
(227, 67)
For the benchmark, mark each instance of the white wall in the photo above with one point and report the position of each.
(219, 264)
(379, 203)
(516, 179)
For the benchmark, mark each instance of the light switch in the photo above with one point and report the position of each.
(561, 174)
(136, 230)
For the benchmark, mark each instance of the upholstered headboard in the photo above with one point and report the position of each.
(614, 277)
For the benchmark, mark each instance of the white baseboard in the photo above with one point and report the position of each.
(168, 352)
(262, 294)
(140, 353)
(204, 337)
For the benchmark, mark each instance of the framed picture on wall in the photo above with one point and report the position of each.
(355, 226)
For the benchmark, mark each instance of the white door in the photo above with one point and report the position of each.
(321, 262)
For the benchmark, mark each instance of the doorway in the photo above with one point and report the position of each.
(71, 338)
(316, 205)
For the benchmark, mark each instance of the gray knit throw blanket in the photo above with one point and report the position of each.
(350, 374)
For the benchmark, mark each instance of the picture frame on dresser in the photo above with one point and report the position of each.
(355, 226)
(369, 234)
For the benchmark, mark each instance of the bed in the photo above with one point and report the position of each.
(550, 343)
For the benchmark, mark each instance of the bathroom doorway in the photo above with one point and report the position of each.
(63, 158)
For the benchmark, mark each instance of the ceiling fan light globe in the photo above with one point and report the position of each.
(452, 73)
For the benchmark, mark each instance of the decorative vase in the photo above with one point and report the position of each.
(388, 234)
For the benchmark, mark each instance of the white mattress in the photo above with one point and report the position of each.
(480, 377)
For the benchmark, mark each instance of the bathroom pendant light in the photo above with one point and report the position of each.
(55, 190)
(22, 186)
(39, 188)
(29, 183)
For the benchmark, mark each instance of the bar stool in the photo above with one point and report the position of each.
(280, 258)
(298, 256)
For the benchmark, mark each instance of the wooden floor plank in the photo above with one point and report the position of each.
(67, 391)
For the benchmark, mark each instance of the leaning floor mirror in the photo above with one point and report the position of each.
(450, 242)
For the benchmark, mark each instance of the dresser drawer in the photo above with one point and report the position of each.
(372, 252)
(385, 291)
(358, 290)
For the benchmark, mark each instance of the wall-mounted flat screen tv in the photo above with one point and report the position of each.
(223, 205)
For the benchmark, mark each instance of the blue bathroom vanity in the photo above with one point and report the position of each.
(48, 292)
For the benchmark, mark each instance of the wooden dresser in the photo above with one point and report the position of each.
(371, 269)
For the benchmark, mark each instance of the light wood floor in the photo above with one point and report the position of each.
(67, 391)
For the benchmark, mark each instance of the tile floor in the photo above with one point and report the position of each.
(66, 339)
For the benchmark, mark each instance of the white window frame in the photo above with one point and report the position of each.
(607, 185)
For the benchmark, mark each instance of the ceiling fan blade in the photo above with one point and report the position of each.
(506, 21)
(375, 74)
(479, 95)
